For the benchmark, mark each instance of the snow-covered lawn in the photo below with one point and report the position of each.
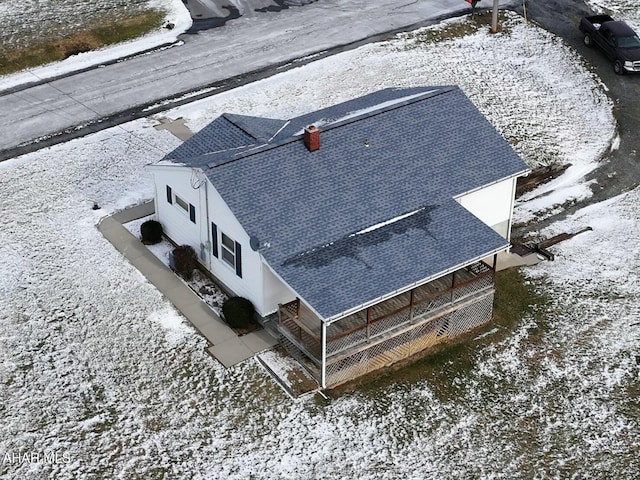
(25, 22)
(96, 365)
(626, 10)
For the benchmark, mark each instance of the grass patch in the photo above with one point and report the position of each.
(93, 37)
(443, 365)
(515, 297)
(456, 30)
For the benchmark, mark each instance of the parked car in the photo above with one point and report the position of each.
(616, 39)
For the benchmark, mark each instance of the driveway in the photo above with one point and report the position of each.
(620, 169)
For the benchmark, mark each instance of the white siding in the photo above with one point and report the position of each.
(275, 291)
(175, 221)
(493, 205)
(250, 285)
(193, 187)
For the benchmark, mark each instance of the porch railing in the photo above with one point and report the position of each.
(303, 327)
(300, 330)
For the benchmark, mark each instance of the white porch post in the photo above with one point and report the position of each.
(512, 203)
(323, 353)
(494, 17)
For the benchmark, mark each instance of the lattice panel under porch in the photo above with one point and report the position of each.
(410, 342)
(465, 319)
(383, 354)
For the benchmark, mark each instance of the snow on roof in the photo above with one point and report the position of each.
(367, 110)
(388, 222)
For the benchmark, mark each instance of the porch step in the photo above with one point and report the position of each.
(270, 324)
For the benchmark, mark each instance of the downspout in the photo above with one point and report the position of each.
(512, 203)
(156, 200)
(209, 232)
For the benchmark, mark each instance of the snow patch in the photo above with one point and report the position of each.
(366, 111)
(386, 222)
(176, 328)
(615, 144)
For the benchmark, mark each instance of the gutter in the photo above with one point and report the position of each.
(522, 173)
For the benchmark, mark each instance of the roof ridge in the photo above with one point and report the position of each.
(392, 106)
(331, 126)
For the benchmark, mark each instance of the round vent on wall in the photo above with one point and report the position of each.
(254, 243)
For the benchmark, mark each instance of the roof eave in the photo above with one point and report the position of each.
(284, 282)
(521, 173)
(166, 163)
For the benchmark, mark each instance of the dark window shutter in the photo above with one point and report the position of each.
(214, 239)
(192, 213)
(238, 260)
(169, 195)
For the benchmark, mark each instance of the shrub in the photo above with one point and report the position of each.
(184, 260)
(238, 312)
(151, 232)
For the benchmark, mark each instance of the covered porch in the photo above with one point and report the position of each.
(327, 343)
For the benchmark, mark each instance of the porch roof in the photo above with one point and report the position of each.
(359, 267)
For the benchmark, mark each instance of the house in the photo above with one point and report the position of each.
(367, 231)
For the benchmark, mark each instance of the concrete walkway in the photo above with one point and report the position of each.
(225, 345)
(510, 260)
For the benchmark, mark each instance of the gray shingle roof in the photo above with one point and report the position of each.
(228, 132)
(412, 156)
(357, 268)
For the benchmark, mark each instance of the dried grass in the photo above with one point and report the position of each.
(92, 38)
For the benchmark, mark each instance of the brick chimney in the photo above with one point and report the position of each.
(312, 138)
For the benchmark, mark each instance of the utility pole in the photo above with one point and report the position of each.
(494, 17)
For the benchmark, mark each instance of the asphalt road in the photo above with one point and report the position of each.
(68, 107)
(619, 170)
(253, 47)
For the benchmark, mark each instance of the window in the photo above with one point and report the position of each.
(231, 253)
(214, 239)
(183, 205)
(229, 250)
